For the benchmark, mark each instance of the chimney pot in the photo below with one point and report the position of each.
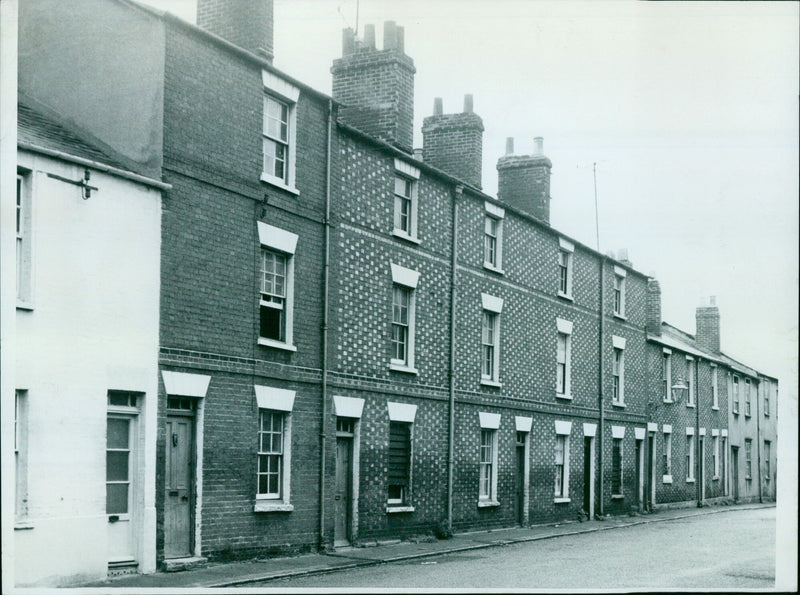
(348, 41)
(510, 145)
(401, 44)
(418, 153)
(539, 144)
(468, 103)
(438, 109)
(389, 35)
(369, 37)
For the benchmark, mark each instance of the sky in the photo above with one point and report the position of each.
(688, 110)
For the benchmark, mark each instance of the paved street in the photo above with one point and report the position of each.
(732, 549)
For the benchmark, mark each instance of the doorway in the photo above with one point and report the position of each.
(343, 491)
(588, 479)
(520, 478)
(702, 456)
(179, 478)
(735, 471)
(638, 463)
(651, 472)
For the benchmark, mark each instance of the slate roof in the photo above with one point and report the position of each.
(34, 127)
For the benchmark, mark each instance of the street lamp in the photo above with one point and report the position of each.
(677, 390)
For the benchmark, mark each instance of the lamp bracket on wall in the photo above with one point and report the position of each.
(84, 183)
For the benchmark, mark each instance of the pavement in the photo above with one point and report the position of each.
(370, 554)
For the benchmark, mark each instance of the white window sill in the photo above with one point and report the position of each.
(559, 500)
(391, 509)
(748, 478)
(619, 404)
(716, 478)
(277, 182)
(493, 268)
(566, 296)
(272, 506)
(736, 413)
(747, 415)
(666, 479)
(668, 401)
(487, 503)
(691, 405)
(276, 344)
(488, 382)
(23, 526)
(403, 368)
(620, 316)
(564, 396)
(404, 236)
(714, 408)
(617, 497)
(690, 480)
(27, 306)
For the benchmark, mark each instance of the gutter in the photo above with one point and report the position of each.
(96, 165)
(459, 192)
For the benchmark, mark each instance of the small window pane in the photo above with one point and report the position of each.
(117, 465)
(117, 498)
(118, 433)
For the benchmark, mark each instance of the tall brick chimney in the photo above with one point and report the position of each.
(246, 23)
(707, 322)
(454, 142)
(653, 307)
(523, 181)
(376, 87)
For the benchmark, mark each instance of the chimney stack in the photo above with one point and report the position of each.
(376, 87)
(622, 256)
(454, 142)
(707, 325)
(245, 23)
(653, 307)
(524, 180)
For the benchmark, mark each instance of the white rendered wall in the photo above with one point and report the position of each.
(93, 327)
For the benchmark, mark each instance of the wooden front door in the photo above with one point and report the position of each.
(587, 476)
(651, 471)
(120, 472)
(735, 471)
(520, 481)
(179, 486)
(638, 466)
(341, 497)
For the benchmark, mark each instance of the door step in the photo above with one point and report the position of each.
(178, 564)
(122, 568)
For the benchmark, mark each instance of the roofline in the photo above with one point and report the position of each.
(687, 349)
(477, 192)
(114, 171)
(226, 45)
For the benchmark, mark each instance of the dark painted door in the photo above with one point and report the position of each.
(587, 475)
(520, 484)
(341, 495)
(638, 466)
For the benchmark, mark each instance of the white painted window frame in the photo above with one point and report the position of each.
(620, 276)
(691, 442)
(691, 393)
(403, 413)
(411, 174)
(714, 387)
(567, 249)
(666, 374)
(281, 401)
(492, 211)
(285, 242)
(284, 92)
(489, 422)
(618, 344)
(24, 240)
(564, 327)
(667, 477)
(563, 429)
(408, 279)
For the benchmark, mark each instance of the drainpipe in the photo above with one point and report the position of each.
(325, 292)
(600, 374)
(758, 441)
(459, 190)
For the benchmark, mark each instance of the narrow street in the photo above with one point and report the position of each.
(733, 549)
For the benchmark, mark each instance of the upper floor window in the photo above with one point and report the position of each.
(276, 292)
(619, 291)
(563, 357)
(666, 376)
(493, 237)
(278, 132)
(406, 201)
(565, 254)
(748, 458)
(735, 394)
(618, 371)
(690, 367)
(714, 388)
(748, 389)
(490, 340)
(23, 247)
(403, 321)
(767, 390)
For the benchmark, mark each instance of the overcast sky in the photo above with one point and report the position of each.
(688, 109)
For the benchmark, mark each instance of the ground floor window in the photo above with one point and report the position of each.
(561, 468)
(399, 462)
(270, 453)
(616, 467)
